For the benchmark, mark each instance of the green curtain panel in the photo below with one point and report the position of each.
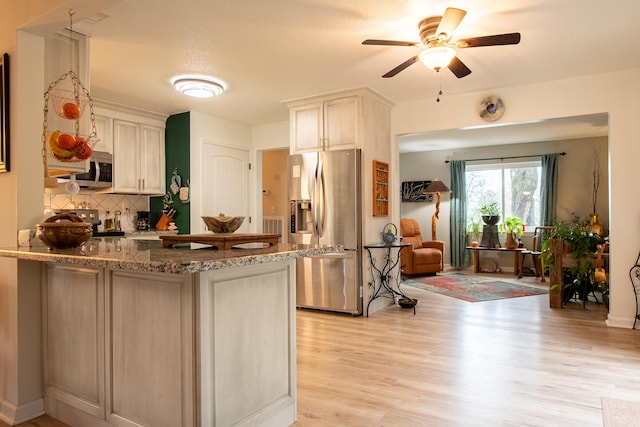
(549, 189)
(458, 220)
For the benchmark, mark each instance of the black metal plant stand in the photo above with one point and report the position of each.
(634, 275)
(382, 279)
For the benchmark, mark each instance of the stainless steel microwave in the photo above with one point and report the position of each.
(100, 173)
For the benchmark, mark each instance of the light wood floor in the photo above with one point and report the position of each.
(511, 362)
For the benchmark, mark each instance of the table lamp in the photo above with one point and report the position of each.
(436, 187)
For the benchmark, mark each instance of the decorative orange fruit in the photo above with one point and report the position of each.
(63, 158)
(83, 150)
(70, 111)
(66, 141)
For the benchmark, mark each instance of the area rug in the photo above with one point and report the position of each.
(620, 413)
(472, 288)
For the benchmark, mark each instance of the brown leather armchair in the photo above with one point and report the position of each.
(422, 257)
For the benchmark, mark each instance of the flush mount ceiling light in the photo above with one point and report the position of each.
(198, 87)
(437, 57)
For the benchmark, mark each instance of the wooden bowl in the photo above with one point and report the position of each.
(64, 231)
(223, 223)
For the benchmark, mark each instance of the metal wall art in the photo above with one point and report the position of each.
(413, 191)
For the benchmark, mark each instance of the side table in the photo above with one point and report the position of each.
(381, 278)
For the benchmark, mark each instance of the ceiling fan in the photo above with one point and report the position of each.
(435, 34)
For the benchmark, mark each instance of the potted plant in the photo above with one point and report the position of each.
(473, 231)
(512, 226)
(490, 213)
(583, 246)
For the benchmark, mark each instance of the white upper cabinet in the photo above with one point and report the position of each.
(136, 140)
(335, 121)
(138, 158)
(324, 125)
(152, 160)
(104, 129)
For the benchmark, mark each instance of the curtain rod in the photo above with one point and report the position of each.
(509, 157)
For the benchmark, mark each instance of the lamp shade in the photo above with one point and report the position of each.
(436, 187)
(437, 57)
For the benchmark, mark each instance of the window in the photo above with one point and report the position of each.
(514, 185)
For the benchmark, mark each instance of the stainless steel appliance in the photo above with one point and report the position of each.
(325, 193)
(100, 174)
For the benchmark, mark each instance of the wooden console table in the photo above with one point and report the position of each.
(476, 256)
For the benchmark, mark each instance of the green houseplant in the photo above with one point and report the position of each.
(582, 245)
(490, 213)
(512, 226)
(474, 229)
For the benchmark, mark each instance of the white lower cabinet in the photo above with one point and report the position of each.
(119, 347)
(137, 348)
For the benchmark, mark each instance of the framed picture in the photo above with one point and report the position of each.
(413, 191)
(4, 113)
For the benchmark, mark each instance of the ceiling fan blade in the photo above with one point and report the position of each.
(401, 67)
(450, 21)
(495, 40)
(458, 68)
(390, 43)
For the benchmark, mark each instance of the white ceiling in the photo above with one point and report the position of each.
(269, 51)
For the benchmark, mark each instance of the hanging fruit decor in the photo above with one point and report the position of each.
(67, 144)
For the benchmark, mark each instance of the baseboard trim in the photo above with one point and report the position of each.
(12, 414)
(619, 322)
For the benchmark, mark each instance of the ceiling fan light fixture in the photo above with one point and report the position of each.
(437, 57)
(198, 87)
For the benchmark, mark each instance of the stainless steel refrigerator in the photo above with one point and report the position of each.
(325, 193)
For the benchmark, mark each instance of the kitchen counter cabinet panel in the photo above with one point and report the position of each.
(150, 349)
(146, 355)
(247, 345)
(73, 337)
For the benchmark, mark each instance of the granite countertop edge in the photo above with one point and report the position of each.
(165, 260)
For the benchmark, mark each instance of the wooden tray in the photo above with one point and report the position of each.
(220, 240)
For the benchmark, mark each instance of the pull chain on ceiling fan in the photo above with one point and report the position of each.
(436, 33)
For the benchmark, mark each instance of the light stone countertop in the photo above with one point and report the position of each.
(149, 255)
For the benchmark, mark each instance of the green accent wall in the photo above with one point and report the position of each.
(177, 139)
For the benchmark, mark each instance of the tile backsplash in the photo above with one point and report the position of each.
(128, 204)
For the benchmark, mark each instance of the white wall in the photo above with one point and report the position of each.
(614, 93)
(211, 129)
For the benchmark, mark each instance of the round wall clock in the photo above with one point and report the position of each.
(491, 108)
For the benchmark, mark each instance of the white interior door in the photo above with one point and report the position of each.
(225, 186)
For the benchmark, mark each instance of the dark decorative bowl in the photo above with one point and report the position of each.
(407, 302)
(490, 219)
(64, 231)
(223, 223)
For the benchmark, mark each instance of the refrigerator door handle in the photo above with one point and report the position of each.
(314, 200)
(318, 199)
(321, 195)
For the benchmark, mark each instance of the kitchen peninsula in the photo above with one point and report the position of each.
(137, 334)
